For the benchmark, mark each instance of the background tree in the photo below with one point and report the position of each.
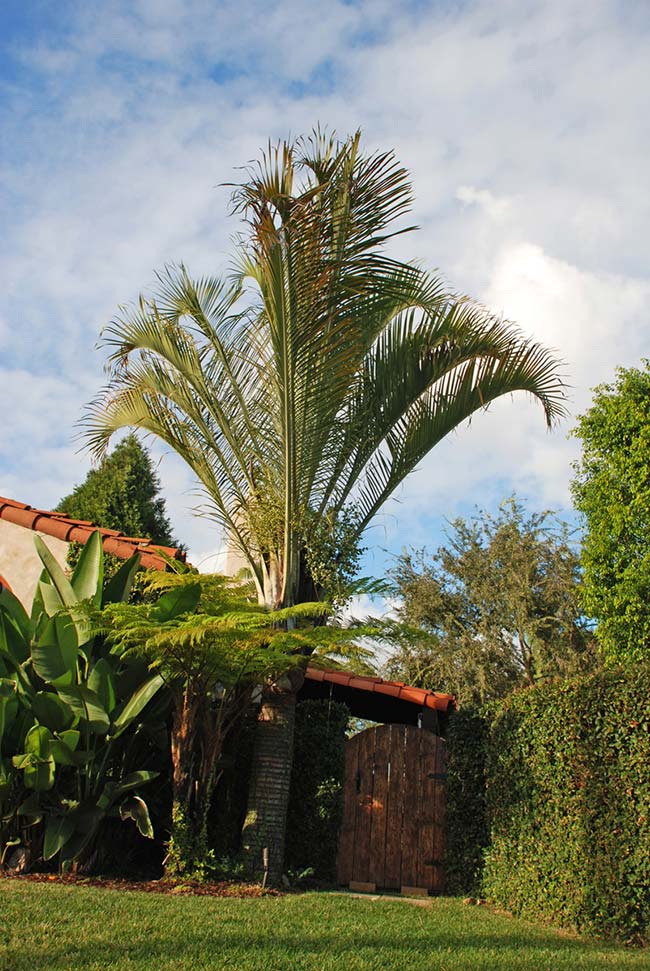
(612, 491)
(305, 388)
(495, 608)
(123, 493)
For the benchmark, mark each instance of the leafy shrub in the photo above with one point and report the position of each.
(568, 791)
(315, 800)
(612, 491)
(466, 814)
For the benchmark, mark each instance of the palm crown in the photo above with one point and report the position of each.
(309, 382)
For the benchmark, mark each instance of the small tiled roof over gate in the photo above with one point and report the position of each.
(69, 530)
(379, 700)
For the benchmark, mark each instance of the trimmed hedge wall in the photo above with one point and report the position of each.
(568, 792)
(316, 797)
(466, 811)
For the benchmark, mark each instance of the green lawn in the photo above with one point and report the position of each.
(65, 928)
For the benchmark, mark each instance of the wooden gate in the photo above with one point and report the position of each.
(392, 834)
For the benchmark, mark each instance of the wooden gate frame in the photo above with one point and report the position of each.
(389, 769)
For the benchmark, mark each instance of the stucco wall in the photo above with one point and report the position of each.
(19, 561)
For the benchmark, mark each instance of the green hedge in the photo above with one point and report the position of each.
(317, 777)
(568, 791)
(466, 813)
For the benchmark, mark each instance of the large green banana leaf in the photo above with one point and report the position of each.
(67, 705)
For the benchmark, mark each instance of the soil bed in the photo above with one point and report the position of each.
(195, 888)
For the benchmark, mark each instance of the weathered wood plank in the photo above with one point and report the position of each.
(346, 836)
(397, 786)
(379, 805)
(363, 816)
(440, 831)
(358, 887)
(426, 817)
(412, 807)
(393, 828)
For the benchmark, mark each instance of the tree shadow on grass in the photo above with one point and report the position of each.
(278, 949)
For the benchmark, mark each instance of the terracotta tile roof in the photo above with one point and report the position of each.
(396, 689)
(59, 525)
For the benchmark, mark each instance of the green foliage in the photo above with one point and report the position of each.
(188, 852)
(466, 812)
(332, 553)
(317, 779)
(73, 750)
(190, 855)
(229, 802)
(494, 608)
(277, 385)
(612, 491)
(304, 388)
(569, 803)
(122, 493)
(207, 630)
(213, 644)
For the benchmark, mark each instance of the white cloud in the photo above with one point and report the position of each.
(595, 321)
(522, 124)
(497, 209)
(364, 607)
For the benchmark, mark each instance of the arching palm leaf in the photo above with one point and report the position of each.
(323, 371)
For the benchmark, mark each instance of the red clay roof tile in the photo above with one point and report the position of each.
(60, 526)
(315, 674)
(365, 684)
(416, 695)
(337, 677)
(421, 697)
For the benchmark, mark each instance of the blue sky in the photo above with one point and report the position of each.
(524, 125)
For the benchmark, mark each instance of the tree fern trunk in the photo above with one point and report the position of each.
(268, 794)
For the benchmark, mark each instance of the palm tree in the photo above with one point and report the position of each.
(303, 388)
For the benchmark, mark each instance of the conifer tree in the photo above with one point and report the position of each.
(122, 493)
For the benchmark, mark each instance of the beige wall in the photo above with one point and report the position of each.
(19, 561)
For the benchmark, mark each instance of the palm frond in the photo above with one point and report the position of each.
(322, 370)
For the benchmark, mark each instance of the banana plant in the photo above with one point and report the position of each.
(72, 712)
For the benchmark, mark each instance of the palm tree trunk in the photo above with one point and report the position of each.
(268, 793)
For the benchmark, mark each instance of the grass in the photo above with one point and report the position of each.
(65, 928)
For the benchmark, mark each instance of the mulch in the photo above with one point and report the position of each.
(163, 885)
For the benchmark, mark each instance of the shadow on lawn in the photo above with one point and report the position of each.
(226, 947)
